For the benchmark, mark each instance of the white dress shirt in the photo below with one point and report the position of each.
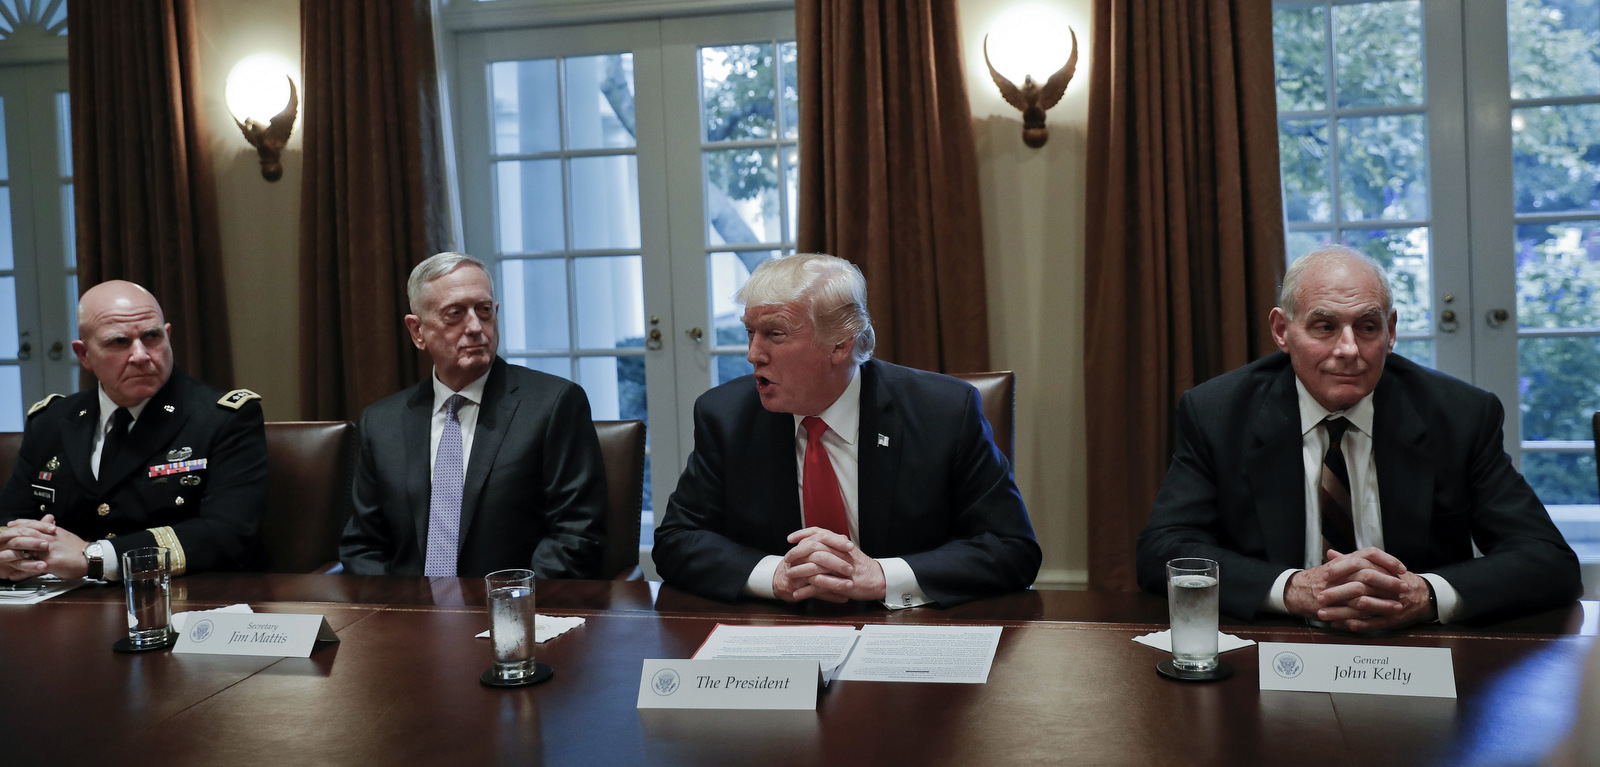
(467, 414)
(113, 567)
(841, 441)
(1365, 507)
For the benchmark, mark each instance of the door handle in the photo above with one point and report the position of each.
(55, 350)
(25, 351)
(1497, 317)
(696, 334)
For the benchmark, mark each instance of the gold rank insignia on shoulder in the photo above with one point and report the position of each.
(236, 398)
(44, 403)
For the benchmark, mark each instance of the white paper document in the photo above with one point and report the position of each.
(959, 654)
(827, 645)
(36, 590)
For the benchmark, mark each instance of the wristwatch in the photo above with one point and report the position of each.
(96, 560)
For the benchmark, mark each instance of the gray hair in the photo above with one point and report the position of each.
(1289, 293)
(835, 288)
(432, 268)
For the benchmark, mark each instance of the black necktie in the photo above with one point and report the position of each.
(114, 439)
(1338, 525)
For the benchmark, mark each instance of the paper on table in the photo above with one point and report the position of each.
(179, 620)
(547, 627)
(1162, 640)
(827, 645)
(38, 589)
(961, 654)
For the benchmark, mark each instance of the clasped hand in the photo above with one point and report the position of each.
(827, 566)
(30, 547)
(1367, 590)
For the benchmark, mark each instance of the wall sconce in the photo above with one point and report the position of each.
(264, 103)
(1028, 40)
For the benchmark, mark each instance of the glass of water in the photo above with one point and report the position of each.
(147, 574)
(1192, 606)
(511, 616)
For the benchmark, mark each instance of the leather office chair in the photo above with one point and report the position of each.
(999, 393)
(309, 470)
(622, 451)
(11, 445)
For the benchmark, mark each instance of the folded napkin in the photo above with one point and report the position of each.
(548, 627)
(1162, 640)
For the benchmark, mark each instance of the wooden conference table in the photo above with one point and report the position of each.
(1067, 687)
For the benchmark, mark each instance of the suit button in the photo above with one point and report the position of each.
(178, 502)
(41, 507)
(105, 508)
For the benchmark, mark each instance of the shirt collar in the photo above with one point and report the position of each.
(1312, 412)
(844, 415)
(472, 391)
(108, 408)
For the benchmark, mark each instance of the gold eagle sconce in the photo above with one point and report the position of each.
(1033, 99)
(270, 139)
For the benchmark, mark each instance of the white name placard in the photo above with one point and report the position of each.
(275, 635)
(748, 684)
(1371, 669)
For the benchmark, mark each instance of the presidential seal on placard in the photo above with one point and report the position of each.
(1288, 665)
(665, 683)
(202, 631)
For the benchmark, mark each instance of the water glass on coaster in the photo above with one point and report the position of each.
(511, 619)
(147, 576)
(1192, 608)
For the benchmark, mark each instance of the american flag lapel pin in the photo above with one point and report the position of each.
(883, 440)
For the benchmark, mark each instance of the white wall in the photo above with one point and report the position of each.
(259, 220)
(1033, 237)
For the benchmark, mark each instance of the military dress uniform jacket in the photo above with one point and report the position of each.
(191, 475)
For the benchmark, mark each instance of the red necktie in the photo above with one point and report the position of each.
(819, 486)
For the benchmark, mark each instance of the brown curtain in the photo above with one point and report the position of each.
(372, 200)
(889, 172)
(144, 198)
(1185, 240)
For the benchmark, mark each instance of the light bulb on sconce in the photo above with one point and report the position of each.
(1028, 41)
(264, 102)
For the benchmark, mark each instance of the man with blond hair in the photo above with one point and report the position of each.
(831, 475)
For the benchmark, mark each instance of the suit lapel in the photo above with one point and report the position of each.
(77, 440)
(1405, 472)
(415, 430)
(157, 425)
(494, 415)
(1273, 465)
(879, 459)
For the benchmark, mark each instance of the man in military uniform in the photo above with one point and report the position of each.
(149, 457)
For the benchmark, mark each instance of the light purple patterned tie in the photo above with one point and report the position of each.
(444, 503)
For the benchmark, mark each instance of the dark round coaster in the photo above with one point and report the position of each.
(124, 646)
(1222, 671)
(541, 673)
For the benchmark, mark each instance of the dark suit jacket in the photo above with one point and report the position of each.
(534, 494)
(215, 512)
(1234, 491)
(934, 490)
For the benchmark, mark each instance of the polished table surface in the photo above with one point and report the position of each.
(1067, 686)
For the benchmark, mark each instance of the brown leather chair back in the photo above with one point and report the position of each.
(622, 450)
(309, 469)
(11, 445)
(999, 393)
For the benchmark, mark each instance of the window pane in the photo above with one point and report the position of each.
(1418, 350)
(729, 367)
(1559, 379)
(742, 196)
(7, 256)
(72, 316)
(64, 132)
(610, 302)
(556, 366)
(1404, 255)
(600, 102)
(791, 92)
(1562, 478)
(738, 92)
(533, 310)
(11, 404)
(615, 386)
(5, 171)
(1298, 244)
(529, 206)
(1558, 275)
(8, 318)
(1390, 74)
(1303, 162)
(1383, 168)
(1300, 50)
(1553, 46)
(791, 179)
(727, 273)
(1555, 155)
(69, 234)
(522, 97)
(605, 202)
